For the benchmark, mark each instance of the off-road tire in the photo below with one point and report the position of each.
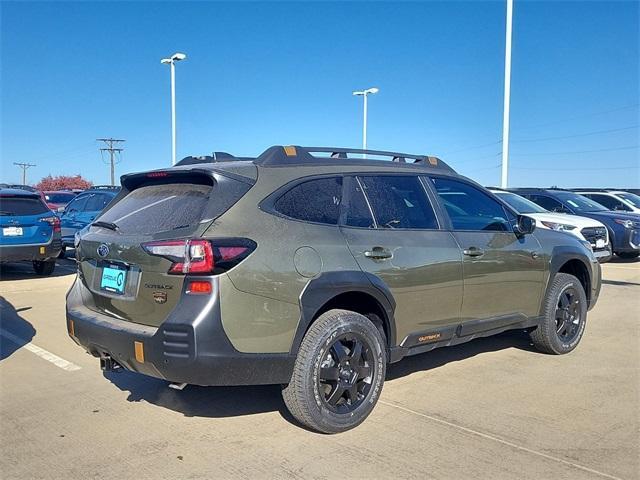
(628, 255)
(546, 337)
(44, 267)
(305, 397)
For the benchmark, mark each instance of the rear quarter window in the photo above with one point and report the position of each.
(315, 201)
(17, 206)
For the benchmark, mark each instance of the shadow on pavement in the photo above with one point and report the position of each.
(617, 259)
(15, 331)
(219, 402)
(196, 401)
(24, 270)
(441, 356)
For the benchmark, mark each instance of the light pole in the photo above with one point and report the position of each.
(507, 97)
(176, 57)
(365, 93)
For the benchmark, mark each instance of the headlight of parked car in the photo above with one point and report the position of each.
(624, 223)
(559, 226)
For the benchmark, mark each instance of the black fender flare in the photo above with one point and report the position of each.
(560, 256)
(323, 288)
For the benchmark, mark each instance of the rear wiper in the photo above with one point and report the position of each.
(4, 212)
(109, 225)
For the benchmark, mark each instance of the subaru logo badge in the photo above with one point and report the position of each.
(103, 250)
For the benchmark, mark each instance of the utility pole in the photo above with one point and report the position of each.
(507, 97)
(110, 142)
(24, 167)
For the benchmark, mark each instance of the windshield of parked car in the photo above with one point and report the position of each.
(632, 198)
(579, 203)
(59, 197)
(520, 204)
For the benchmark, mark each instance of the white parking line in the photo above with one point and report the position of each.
(41, 352)
(623, 268)
(500, 440)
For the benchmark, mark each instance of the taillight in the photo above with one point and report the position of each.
(53, 221)
(201, 256)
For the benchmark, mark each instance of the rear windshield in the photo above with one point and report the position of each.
(22, 206)
(159, 208)
(59, 197)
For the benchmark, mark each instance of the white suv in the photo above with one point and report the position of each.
(617, 200)
(586, 229)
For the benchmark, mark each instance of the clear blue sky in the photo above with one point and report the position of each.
(260, 74)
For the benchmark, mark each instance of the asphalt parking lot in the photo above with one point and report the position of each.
(492, 408)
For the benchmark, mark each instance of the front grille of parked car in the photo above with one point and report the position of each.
(176, 342)
(591, 234)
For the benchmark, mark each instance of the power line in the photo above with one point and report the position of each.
(581, 169)
(112, 153)
(24, 167)
(598, 132)
(631, 147)
(579, 117)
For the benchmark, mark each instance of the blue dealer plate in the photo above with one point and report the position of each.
(114, 278)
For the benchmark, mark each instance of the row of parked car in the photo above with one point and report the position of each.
(40, 226)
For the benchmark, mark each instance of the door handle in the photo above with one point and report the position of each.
(473, 252)
(378, 253)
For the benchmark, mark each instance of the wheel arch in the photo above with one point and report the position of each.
(576, 263)
(357, 291)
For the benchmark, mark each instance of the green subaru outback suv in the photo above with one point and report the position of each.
(312, 269)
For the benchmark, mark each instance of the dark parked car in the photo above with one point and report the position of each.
(83, 210)
(312, 270)
(623, 227)
(29, 230)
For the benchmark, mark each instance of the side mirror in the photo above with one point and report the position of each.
(524, 226)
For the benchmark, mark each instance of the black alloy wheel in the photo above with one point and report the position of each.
(568, 315)
(346, 372)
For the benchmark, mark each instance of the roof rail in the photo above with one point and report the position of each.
(213, 158)
(295, 155)
(104, 187)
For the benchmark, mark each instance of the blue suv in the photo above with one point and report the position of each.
(83, 210)
(28, 230)
(624, 228)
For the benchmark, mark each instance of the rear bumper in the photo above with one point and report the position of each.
(18, 253)
(189, 347)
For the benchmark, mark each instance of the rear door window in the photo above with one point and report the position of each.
(159, 208)
(18, 206)
(358, 213)
(313, 201)
(469, 208)
(399, 202)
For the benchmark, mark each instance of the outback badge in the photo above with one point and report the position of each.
(160, 297)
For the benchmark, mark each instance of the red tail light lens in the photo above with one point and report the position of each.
(53, 221)
(201, 256)
(199, 287)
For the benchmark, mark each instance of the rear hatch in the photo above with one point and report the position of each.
(125, 280)
(25, 220)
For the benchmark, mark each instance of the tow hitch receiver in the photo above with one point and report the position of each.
(108, 364)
